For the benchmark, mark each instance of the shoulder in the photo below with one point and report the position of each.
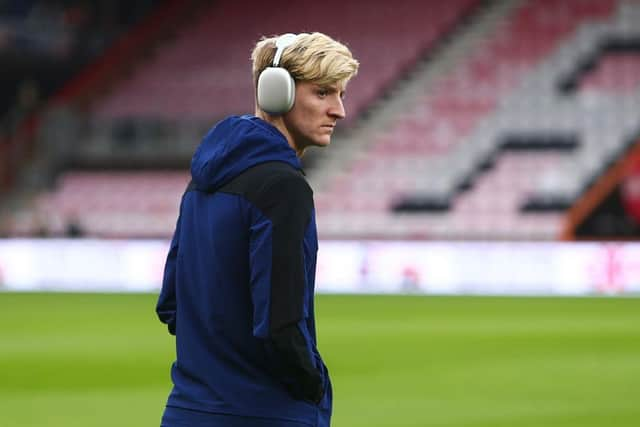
(270, 172)
(279, 191)
(270, 179)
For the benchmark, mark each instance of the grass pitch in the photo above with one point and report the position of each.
(102, 360)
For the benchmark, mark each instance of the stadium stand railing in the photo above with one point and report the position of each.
(608, 183)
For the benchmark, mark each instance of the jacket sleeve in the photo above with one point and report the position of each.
(166, 306)
(278, 284)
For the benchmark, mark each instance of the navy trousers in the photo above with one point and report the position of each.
(178, 417)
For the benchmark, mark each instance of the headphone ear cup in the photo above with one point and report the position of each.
(276, 90)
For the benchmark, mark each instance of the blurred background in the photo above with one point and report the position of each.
(491, 147)
(469, 120)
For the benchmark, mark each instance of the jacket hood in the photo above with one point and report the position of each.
(234, 145)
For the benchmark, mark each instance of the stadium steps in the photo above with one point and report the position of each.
(603, 121)
(372, 175)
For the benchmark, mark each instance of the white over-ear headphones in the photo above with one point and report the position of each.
(276, 87)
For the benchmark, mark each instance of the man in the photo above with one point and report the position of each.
(239, 278)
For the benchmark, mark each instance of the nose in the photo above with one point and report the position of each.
(336, 110)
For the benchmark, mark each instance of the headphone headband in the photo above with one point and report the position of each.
(282, 43)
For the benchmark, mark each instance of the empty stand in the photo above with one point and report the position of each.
(508, 85)
(205, 72)
(614, 73)
(447, 150)
(107, 204)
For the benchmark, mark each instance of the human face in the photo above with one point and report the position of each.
(314, 115)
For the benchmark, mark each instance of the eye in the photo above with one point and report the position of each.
(322, 92)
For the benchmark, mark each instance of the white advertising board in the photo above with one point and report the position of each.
(81, 265)
(478, 268)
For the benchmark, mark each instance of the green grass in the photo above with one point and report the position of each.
(103, 360)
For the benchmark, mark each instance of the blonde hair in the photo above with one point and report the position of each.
(312, 57)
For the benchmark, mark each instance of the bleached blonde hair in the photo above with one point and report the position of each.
(312, 57)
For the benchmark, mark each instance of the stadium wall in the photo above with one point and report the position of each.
(380, 267)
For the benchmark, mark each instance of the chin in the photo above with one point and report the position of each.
(323, 142)
(316, 142)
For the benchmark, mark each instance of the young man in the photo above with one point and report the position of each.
(239, 278)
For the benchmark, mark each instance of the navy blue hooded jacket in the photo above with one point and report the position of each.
(239, 281)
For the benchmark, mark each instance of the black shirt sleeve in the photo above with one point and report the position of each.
(287, 201)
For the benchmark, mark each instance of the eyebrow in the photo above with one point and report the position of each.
(333, 87)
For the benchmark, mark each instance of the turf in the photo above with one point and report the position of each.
(103, 360)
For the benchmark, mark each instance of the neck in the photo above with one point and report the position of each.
(278, 123)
